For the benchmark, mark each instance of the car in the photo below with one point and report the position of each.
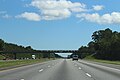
(75, 57)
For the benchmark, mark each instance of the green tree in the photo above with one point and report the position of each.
(1, 45)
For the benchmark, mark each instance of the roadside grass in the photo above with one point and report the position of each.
(1, 57)
(12, 63)
(90, 58)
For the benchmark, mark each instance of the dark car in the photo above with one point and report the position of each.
(75, 57)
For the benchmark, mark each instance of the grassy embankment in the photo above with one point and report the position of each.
(10, 63)
(1, 57)
(90, 58)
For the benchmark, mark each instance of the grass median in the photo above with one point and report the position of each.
(12, 63)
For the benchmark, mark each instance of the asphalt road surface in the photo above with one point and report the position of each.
(62, 70)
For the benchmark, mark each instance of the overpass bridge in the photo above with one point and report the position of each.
(42, 51)
(38, 51)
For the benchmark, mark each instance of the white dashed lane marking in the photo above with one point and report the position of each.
(40, 70)
(79, 68)
(49, 66)
(88, 74)
(22, 79)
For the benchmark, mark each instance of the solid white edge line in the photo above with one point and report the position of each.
(40, 70)
(88, 74)
(32, 65)
(102, 66)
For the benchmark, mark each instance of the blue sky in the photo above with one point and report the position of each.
(56, 24)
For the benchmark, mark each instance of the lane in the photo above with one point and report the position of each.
(99, 72)
(65, 70)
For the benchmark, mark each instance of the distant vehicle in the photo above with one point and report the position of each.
(33, 57)
(75, 57)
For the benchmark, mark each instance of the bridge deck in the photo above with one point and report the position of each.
(42, 51)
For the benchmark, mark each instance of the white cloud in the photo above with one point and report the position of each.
(6, 16)
(55, 14)
(98, 7)
(57, 9)
(56, 4)
(30, 16)
(113, 18)
(78, 10)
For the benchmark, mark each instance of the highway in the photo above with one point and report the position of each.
(62, 69)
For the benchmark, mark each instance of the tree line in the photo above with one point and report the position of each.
(105, 45)
(4, 46)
